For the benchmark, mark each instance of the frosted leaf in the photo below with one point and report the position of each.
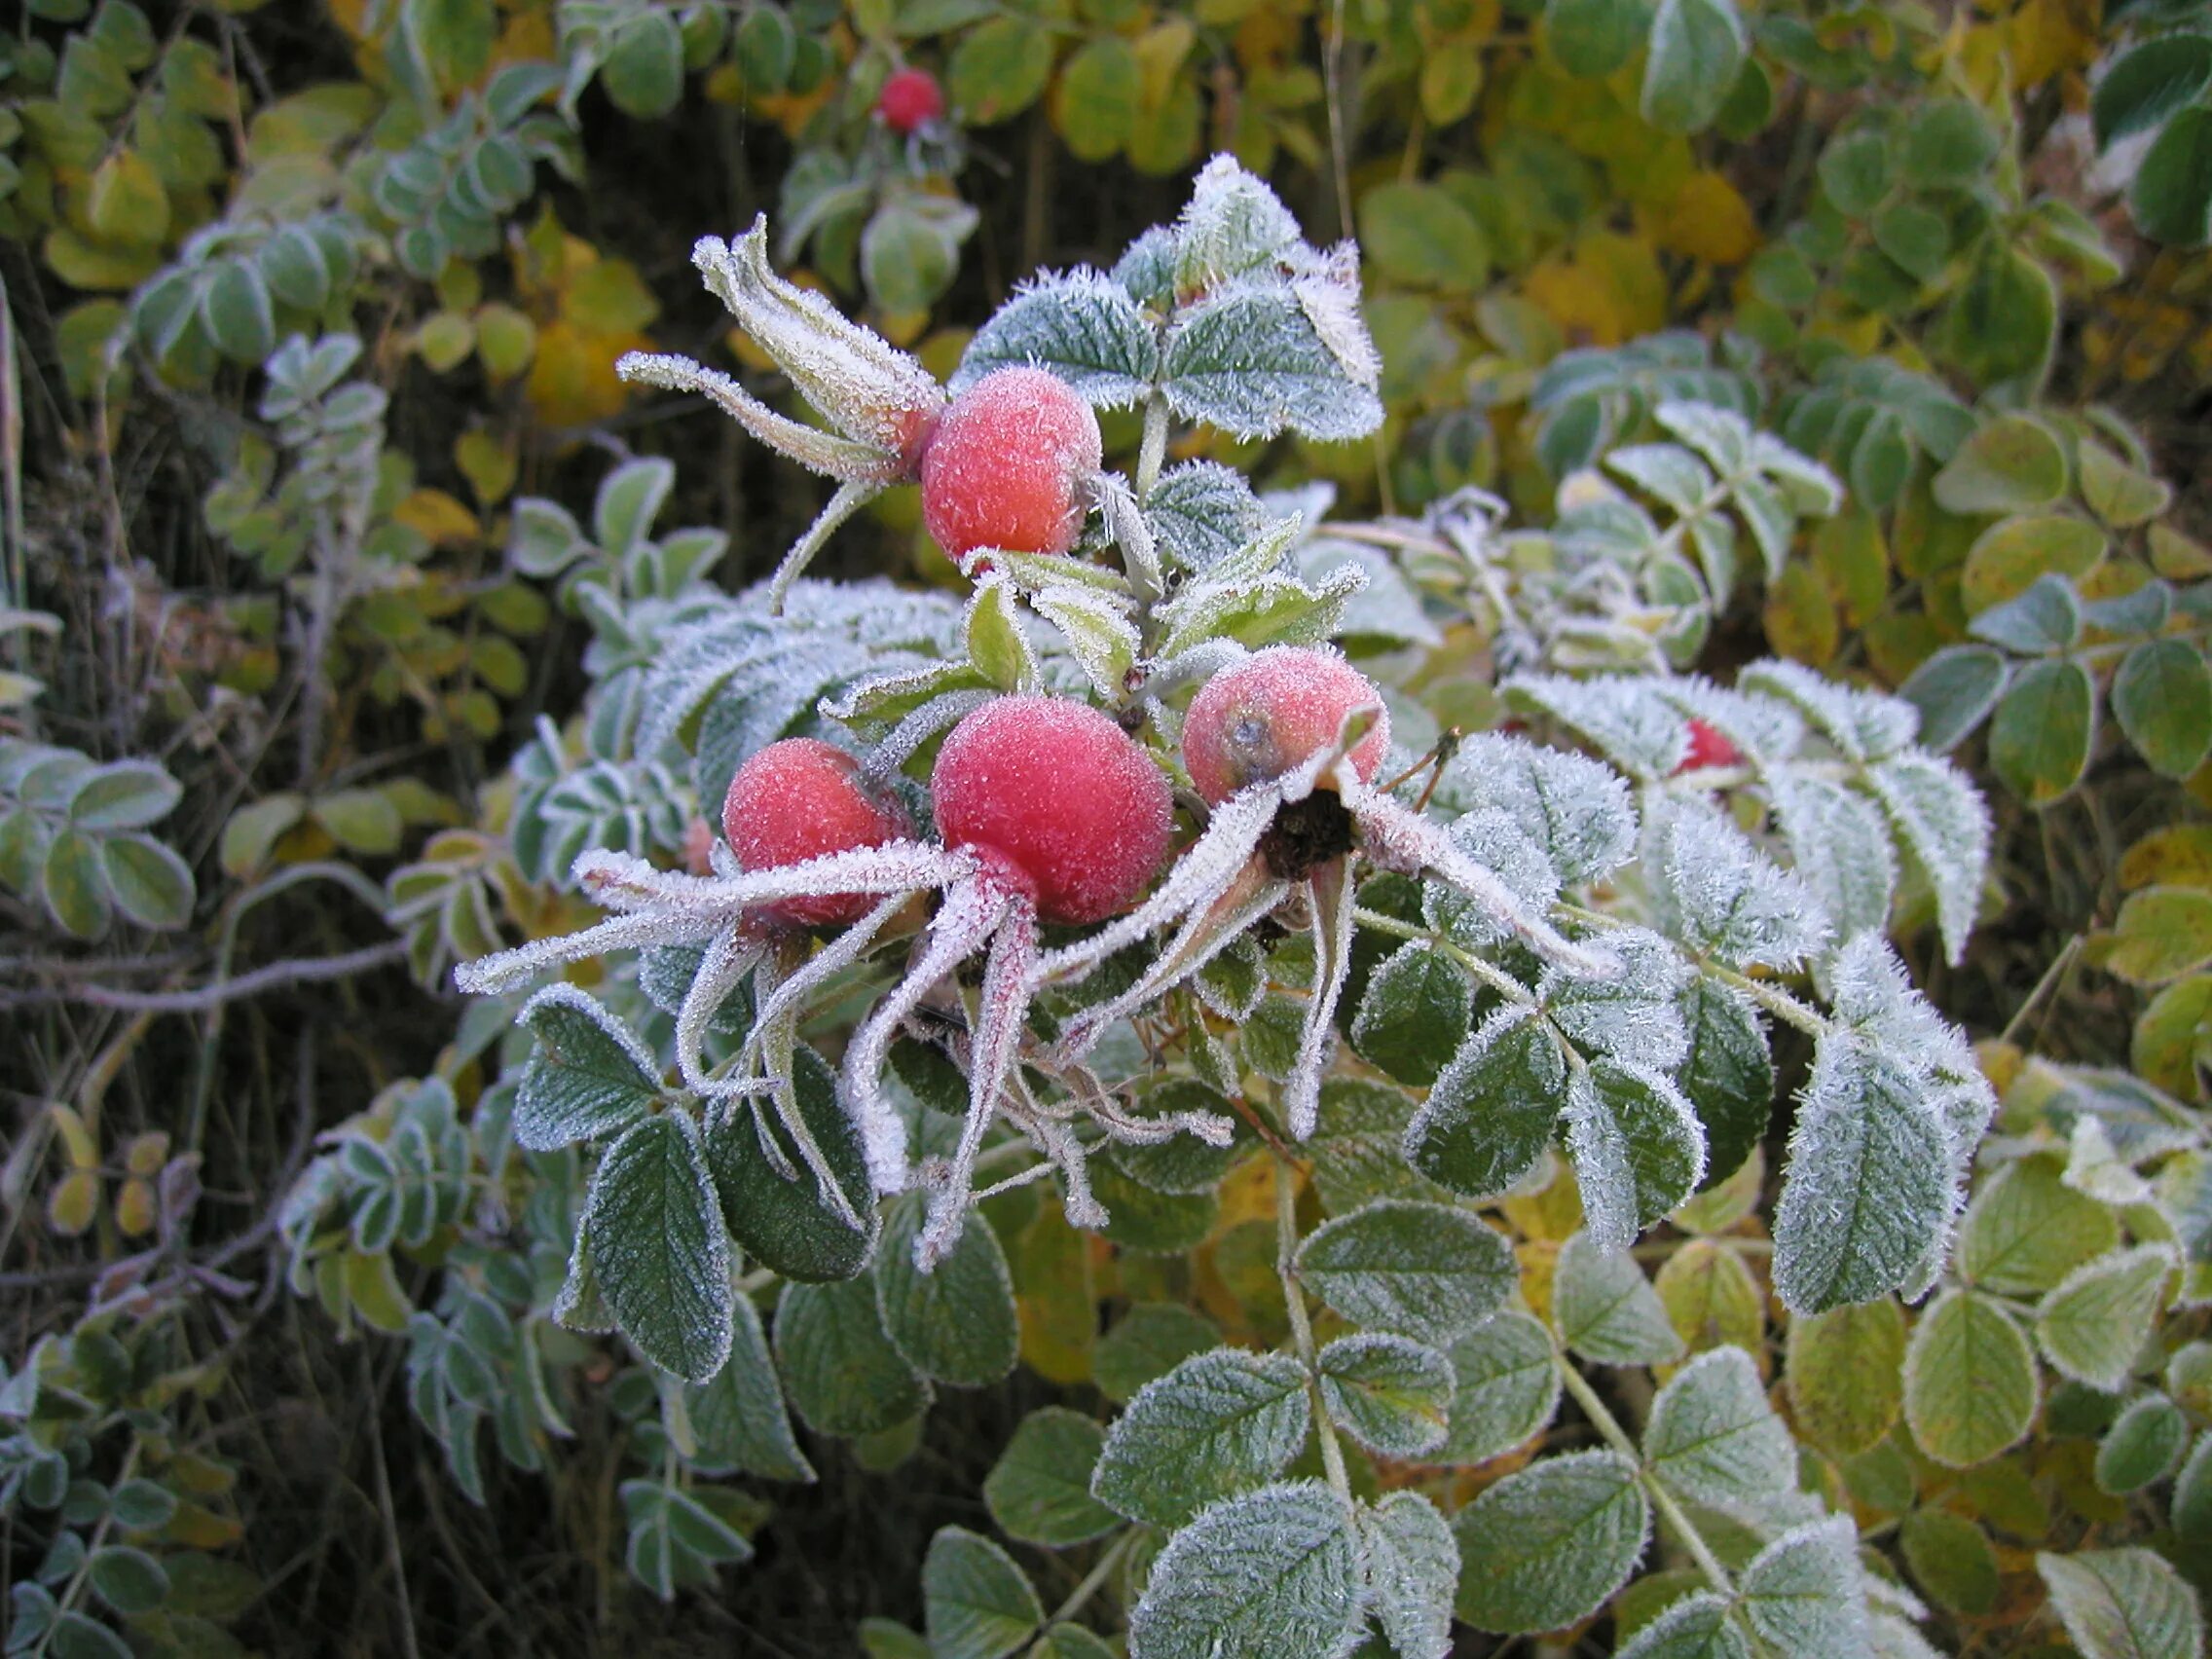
(1491, 1114)
(1327, 286)
(1249, 360)
(891, 752)
(1873, 992)
(1554, 1543)
(1637, 1146)
(1668, 471)
(1507, 1388)
(658, 1248)
(1218, 1424)
(2091, 1324)
(1412, 1568)
(1944, 825)
(1389, 1392)
(727, 962)
(1233, 224)
(1202, 512)
(1764, 728)
(1129, 529)
(1423, 1270)
(1259, 611)
(867, 387)
(1723, 898)
(1146, 269)
(977, 1603)
(1714, 1438)
(2125, 1603)
(1888, 1636)
(1578, 809)
(1802, 1595)
(850, 463)
(952, 1315)
(1626, 718)
(1497, 842)
(588, 1075)
(1863, 725)
(1632, 1014)
(1869, 1186)
(1696, 1627)
(1399, 839)
(1384, 608)
(1840, 849)
(2094, 1167)
(1605, 1311)
(1080, 325)
(1418, 1007)
(1272, 1574)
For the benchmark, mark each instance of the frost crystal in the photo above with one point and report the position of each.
(1578, 809)
(1723, 898)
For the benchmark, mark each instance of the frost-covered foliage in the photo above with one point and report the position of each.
(1392, 994)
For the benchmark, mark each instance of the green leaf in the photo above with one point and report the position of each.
(1549, 1544)
(1697, 48)
(1954, 690)
(977, 1603)
(629, 500)
(1412, 1569)
(1039, 1489)
(1150, 1341)
(2171, 196)
(2010, 465)
(2162, 934)
(1099, 98)
(2144, 1446)
(677, 1537)
(1219, 1423)
(1390, 1393)
(1272, 1574)
(2091, 1323)
(1635, 1145)
(236, 311)
(1951, 1560)
(1423, 1270)
(2039, 742)
(1250, 360)
(2026, 1228)
(1696, 1627)
(1491, 1114)
(1070, 1641)
(784, 1223)
(1869, 1185)
(129, 1580)
(149, 883)
(2011, 558)
(1592, 38)
(1948, 145)
(1714, 1438)
(1505, 1388)
(2002, 322)
(2123, 1604)
(1415, 1013)
(74, 884)
(1969, 1380)
(999, 69)
(1083, 327)
(738, 1415)
(2149, 83)
(587, 1078)
(843, 1376)
(1605, 1309)
(2162, 695)
(124, 794)
(956, 1323)
(1844, 1372)
(1420, 235)
(1801, 1594)
(910, 252)
(644, 75)
(2192, 1507)
(1728, 1073)
(1919, 239)
(658, 1248)
(1855, 172)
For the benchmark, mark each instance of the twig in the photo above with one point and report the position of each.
(275, 976)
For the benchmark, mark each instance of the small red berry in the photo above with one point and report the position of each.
(1059, 798)
(698, 847)
(1708, 748)
(795, 800)
(1268, 714)
(1006, 466)
(910, 99)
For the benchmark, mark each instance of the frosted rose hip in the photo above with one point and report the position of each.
(795, 800)
(1255, 722)
(1060, 798)
(910, 99)
(1708, 748)
(1007, 464)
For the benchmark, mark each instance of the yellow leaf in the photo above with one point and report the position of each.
(127, 204)
(2179, 855)
(571, 379)
(134, 1209)
(87, 265)
(1161, 50)
(1800, 616)
(1706, 219)
(146, 1153)
(444, 339)
(609, 297)
(487, 464)
(504, 341)
(71, 1205)
(436, 516)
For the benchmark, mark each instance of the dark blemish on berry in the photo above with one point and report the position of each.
(1308, 834)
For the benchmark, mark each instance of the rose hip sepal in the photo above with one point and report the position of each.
(910, 100)
(1010, 466)
(1283, 745)
(882, 403)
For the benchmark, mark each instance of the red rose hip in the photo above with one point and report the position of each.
(1007, 465)
(1057, 799)
(1708, 748)
(1270, 713)
(795, 800)
(910, 99)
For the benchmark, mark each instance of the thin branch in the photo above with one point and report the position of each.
(277, 975)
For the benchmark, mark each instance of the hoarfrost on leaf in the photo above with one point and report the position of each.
(1082, 326)
(1714, 1438)
(1578, 810)
(1217, 1423)
(1724, 899)
(1412, 1568)
(1272, 1574)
